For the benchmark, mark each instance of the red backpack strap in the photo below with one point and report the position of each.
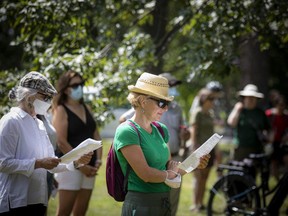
(134, 126)
(160, 129)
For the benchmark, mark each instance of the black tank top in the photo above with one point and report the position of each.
(78, 131)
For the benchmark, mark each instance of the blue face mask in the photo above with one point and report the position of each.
(173, 92)
(76, 93)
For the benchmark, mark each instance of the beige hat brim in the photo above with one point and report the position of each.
(251, 94)
(132, 88)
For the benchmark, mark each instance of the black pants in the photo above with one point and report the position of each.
(31, 210)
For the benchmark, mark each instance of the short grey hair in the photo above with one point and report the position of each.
(21, 93)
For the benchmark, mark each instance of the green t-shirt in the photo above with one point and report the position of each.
(154, 148)
(246, 131)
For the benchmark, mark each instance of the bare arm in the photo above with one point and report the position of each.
(99, 151)
(193, 129)
(234, 115)
(137, 161)
(96, 136)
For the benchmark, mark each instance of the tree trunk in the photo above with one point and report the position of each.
(254, 65)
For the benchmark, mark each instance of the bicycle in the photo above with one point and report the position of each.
(236, 192)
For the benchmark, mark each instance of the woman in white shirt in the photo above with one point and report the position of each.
(25, 149)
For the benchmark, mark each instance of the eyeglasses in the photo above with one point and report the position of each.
(46, 97)
(160, 102)
(75, 85)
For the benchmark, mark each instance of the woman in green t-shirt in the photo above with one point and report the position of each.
(147, 153)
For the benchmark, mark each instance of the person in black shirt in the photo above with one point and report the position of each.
(74, 123)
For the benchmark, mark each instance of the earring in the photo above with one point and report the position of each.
(143, 111)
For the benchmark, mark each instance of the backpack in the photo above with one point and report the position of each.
(116, 182)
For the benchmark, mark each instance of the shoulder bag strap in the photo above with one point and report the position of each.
(128, 165)
(160, 129)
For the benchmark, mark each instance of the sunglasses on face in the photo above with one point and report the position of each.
(160, 102)
(75, 85)
(46, 98)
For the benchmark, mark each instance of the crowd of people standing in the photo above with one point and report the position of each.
(153, 151)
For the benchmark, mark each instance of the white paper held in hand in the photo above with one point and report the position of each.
(192, 161)
(84, 147)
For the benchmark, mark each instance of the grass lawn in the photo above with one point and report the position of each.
(101, 204)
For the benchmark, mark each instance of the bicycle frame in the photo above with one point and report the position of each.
(280, 191)
(279, 196)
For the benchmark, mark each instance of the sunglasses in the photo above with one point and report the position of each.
(46, 98)
(160, 102)
(75, 85)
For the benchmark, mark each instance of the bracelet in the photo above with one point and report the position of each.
(166, 175)
(176, 174)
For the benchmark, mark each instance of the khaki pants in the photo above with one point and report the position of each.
(146, 204)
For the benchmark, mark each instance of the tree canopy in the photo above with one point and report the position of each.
(111, 42)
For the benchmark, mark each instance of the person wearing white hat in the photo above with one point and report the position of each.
(248, 121)
(26, 152)
(152, 172)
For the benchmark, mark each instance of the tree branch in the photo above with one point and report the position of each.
(176, 28)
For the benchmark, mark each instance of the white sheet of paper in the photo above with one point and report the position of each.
(84, 147)
(192, 161)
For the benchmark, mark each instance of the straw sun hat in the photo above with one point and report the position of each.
(250, 90)
(153, 85)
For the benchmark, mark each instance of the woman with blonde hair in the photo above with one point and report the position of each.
(143, 150)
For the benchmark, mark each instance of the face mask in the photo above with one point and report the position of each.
(41, 107)
(76, 93)
(173, 91)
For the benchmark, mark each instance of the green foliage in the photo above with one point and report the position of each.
(112, 42)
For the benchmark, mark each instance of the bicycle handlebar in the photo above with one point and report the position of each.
(229, 167)
(258, 156)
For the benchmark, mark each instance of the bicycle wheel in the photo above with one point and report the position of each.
(233, 194)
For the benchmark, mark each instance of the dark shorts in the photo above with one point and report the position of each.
(279, 152)
(31, 210)
(146, 204)
(241, 153)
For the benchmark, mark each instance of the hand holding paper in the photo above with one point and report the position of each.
(192, 162)
(86, 158)
(85, 147)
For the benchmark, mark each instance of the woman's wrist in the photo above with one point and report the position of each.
(171, 174)
(166, 177)
(76, 165)
(98, 163)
